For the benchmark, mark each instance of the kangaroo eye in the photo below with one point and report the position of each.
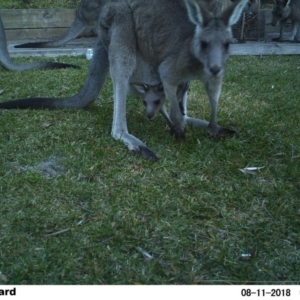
(161, 88)
(204, 45)
(157, 102)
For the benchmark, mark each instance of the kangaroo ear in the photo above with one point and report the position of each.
(140, 87)
(197, 12)
(288, 2)
(233, 13)
(160, 87)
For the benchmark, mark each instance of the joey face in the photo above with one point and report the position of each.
(153, 97)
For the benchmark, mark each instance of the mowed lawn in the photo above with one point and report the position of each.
(78, 208)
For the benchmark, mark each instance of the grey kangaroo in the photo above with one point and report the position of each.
(180, 39)
(8, 64)
(283, 11)
(183, 41)
(86, 20)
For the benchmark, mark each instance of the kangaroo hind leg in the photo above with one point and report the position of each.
(120, 76)
(122, 57)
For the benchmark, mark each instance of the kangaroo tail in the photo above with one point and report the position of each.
(98, 71)
(8, 64)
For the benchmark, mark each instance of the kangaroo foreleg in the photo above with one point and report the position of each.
(213, 88)
(182, 98)
(295, 31)
(281, 28)
(176, 116)
(165, 114)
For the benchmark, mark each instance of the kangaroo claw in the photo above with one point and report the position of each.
(146, 153)
(224, 132)
(178, 134)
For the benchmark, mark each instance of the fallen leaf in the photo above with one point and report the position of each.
(279, 154)
(46, 124)
(250, 170)
(245, 256)
(3, 277)
(146, 254)
(198, 279)
(136, 168)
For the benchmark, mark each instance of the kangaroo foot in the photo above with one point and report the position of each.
(145, 152)
(179, 134)
(220, 132)
(225, 132)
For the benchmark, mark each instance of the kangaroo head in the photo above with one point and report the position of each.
(251, 8)
(213, 34)
(153, 97)
(281, 10)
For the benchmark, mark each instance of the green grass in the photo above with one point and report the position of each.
(84, 219)
(9, 4)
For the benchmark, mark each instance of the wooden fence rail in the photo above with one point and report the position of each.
(45, 24)
(36, 24)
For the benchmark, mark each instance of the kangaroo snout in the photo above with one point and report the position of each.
(150, 116)
(215, 70)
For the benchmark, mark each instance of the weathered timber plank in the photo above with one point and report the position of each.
(269, 29)
(265, 49)
(43, 34)
(79, 46)
(37, 18)
(75, 47)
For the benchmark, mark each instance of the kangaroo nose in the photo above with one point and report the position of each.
(215, 70)
(150, 116)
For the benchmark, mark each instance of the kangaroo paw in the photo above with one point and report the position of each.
(221, 132)
(134, 145)
(224, 132)
(145, 152)
(179, 134)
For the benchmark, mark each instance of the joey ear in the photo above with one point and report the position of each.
(140, 87)
(232, 14)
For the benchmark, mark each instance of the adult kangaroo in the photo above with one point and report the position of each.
(283, 11)
(86, 19)
(8, 64)
(180, 39)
